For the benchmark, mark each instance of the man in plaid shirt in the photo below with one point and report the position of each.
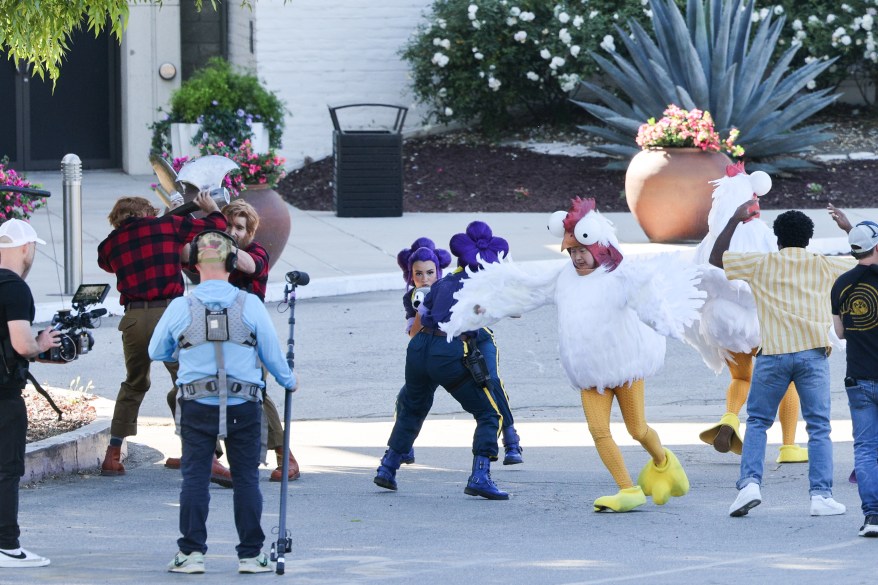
(143, 251)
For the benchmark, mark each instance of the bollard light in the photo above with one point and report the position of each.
(71, 180)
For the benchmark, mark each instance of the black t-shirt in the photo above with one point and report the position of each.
(854, 297)
(16, 304)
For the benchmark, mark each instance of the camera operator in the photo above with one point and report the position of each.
(220, 335)
(18, 242)
(143, 251)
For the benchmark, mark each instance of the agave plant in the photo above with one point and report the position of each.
(709, 61)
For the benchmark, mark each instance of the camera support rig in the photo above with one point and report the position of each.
(75, 338)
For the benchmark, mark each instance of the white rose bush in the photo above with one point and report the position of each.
(492, 62)
(500, 63)
(826, 29)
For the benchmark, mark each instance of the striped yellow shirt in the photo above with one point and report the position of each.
(791, 288)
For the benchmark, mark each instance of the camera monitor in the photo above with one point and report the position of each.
(90, 294)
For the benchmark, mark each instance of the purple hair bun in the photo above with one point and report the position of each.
(422, 250)
(477, 241)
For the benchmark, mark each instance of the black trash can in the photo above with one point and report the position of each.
(367, 170)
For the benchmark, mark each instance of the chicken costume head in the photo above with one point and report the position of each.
(736, 188)
(583, 225)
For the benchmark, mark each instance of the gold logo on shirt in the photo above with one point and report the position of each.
(862, 307)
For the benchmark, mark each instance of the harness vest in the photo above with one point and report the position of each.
(217, 327)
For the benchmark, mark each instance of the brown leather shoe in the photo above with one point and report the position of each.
(292, 474)
(172, 463)
(112, 464)
(220, 474)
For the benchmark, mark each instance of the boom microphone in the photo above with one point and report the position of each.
(298, 278)
(26, 191)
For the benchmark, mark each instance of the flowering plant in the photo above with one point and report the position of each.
(255, 168)
(224, 103)
(491, 61)
(680, 128)
(828, 29)
(16, 205)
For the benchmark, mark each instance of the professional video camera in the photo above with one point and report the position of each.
(75, 339)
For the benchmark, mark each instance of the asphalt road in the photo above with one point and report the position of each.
(349, 357)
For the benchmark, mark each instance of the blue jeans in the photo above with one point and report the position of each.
(199, 424)
(772, 375)
(863, 401)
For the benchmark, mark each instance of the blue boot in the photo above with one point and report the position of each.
(511, 447)
(480, 482)
(409, 457)
(386, 476)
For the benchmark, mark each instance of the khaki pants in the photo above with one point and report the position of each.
(137, 327)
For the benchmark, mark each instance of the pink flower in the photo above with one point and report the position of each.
(682, 128)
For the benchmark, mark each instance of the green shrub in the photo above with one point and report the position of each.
(827, 29)
(225, 103)
(489, 61)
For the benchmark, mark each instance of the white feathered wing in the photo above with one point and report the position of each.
(663, 291)
(499, 290)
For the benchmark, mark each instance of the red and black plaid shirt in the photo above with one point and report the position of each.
(144, 254)
(255, 283)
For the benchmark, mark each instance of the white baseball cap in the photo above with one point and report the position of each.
(862, 238)
(15, 233)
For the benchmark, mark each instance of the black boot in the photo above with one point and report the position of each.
(386, 476)
(480, 482)
(511, 447)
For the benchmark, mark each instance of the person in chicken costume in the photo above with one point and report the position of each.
(613, 317)
(727, 334)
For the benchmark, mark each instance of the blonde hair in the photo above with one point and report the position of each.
(240, 208)
(127, 207)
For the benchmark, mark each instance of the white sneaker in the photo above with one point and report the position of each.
(257, 564)
(823, 506)
(21, 558)
(183, 563)
(748, 498)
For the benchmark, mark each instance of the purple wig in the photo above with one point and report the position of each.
(477, 241)
(422, 250)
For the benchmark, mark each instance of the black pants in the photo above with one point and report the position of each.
(13, 435)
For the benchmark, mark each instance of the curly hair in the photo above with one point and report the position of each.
(793, 229)
(127, 207)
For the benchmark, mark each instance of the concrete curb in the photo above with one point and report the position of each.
(74, 451)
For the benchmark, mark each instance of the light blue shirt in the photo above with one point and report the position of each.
(241, 362)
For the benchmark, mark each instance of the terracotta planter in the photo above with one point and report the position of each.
(669, 192)
(274, 219)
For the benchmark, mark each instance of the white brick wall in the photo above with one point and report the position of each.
(318, 52)
(239, 37)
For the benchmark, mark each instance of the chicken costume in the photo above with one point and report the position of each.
(612, 321)
(727, 333)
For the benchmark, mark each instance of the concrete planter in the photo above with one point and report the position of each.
(182, 136)
(75, 451)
